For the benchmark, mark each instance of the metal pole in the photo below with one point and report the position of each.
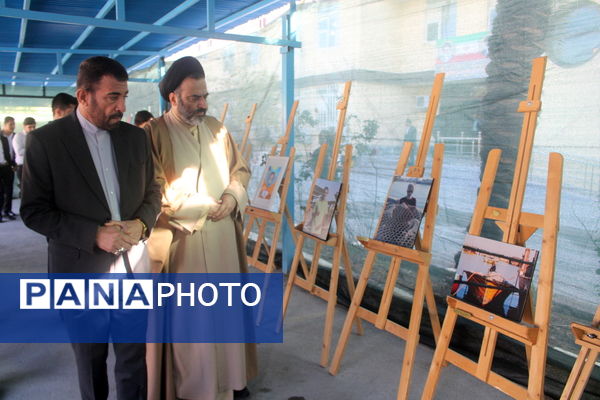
(162, 104)
(287, 80)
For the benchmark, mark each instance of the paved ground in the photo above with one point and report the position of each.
(370, 370)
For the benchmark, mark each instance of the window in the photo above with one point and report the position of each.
(432, 31)
(328, 24)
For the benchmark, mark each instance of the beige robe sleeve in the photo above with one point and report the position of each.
(189, 212)
(185, 212)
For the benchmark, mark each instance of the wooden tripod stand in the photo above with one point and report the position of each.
(518, 226)
(245, 146)
(421, 256)
(224, 112)
(588, 337)
(335, 240)
(262, 217)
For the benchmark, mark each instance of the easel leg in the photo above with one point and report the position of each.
(388, 293)
(585, 374)
(537, 366)
(579, 374)
(295, 237)
(331, 303)
(413, 331)
(439, 356)
(356, 300)
(486, 354)
(249, 227)
(292, 274)
(528, 317)
(432, 309)
(350, 282)
(314, 266)
(259, 239)
(271, 260)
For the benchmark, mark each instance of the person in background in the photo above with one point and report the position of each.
(203, 178)
(19, 146)
(8, 174)
(142, 118)
(63, 104)
(88, 186)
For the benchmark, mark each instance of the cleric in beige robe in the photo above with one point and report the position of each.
(203, 179)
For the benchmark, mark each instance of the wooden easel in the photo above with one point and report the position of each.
(420, 256)
(588, 337)
(264, 216)
(224, 112)
(335, 240)
(246, 147)
(517, 226)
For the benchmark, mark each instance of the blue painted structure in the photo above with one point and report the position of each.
(137, 33)
(43, 42)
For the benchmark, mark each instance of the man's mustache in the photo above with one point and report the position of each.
(116, 115)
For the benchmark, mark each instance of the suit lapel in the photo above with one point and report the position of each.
(5, 148)
(119, 143)
(77, 146)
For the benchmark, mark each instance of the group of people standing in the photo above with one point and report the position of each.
(97, 187)
(12, 151)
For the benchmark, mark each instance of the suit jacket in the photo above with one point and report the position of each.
(63, 198)
(6, 149)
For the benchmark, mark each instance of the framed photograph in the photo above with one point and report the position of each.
(495, 276)
(267, 195)
(404, 207)
(321, 208)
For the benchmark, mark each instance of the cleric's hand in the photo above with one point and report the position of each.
(226, 206)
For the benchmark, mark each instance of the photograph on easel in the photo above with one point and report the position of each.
(267, 194)
(404, 207)
(321, 208)
(495, 276)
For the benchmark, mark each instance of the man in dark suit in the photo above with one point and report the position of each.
(6, 176)
(88, 186)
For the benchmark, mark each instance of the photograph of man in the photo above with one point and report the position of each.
(142, 118)
(403, 211)
(203, 178)
(19, 146)
(7, 169)
(266, 189)
(88, 186)
(63, 104)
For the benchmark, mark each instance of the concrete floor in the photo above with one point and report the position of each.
(288, 371)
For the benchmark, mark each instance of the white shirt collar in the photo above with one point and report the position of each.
(87, 126)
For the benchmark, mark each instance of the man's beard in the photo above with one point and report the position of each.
(191, 115)
(105, 122)
(113, 125)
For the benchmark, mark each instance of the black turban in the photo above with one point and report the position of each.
(183, 68)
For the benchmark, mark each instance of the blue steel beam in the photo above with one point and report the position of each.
(287, 89)
(120, 10)
(161, 71)
(231, 19)
(52, 50)
(60, 66)
(161, 21)
(22, 32)
(210, 15)
(138, 27)
(86, 33)
(69, 79)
